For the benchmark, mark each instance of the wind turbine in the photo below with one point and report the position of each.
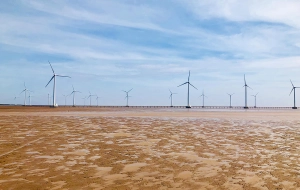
(246, 86)
(171, 96)
(294, 89)
(65, 96)
(127, 96)
(203, 98)
(188, 95)
(54, 83)
(73, 92)
(29, 97)
(90, 96)
(83, 100)
(15, 99)
(255, 99)
(230, 99)
(97, 97)
(25, 90)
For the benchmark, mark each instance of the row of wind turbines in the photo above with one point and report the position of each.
(127, 92)
(230, 95)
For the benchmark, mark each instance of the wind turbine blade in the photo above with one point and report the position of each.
(170, 96)
(73, 88)
(245, 80)
(292, 83)
(22, 91)
(51, 67)
(182, 84)
(130, 90)
(50, 80)
(189, 76)
(124, 91)
(170, 91)
(193, 86)
(24, 85)
(256, 94)
(249, 87)
(291, 91)
(63, 76)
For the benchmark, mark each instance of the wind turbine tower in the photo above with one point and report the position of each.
(127, 97)
(97, 97)
(65, 96)
(83, 101)
(246, 86)
(25, 90)
(230, 99)
(171, 96)
(73, 92)
(294, 89)
(29, 97)
(203, 98)
(255, 99)
(188, 94)
(90, 96)
(15, 99)
(54, 83)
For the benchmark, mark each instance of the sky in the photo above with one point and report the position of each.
(149, 46)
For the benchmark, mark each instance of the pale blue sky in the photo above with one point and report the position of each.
(115, 45)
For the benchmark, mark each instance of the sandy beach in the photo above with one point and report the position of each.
(124, 148)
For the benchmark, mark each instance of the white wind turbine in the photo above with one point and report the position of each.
(171, 96)
(15, 99)
(29, 97)
(203, 98)
(73, 92)
(127, 96)
(90, 97)
(25, 90)
(84, 100)
(230, 99)
(255, 99)
(97, 97)
(246, 86)
(54, 83)
(188, 96)
(65, 96)
(294, 89)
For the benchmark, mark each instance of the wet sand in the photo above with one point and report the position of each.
(103, 148)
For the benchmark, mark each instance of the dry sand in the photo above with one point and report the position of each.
(93, 148)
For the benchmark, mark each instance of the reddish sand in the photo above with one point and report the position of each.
(131, 148)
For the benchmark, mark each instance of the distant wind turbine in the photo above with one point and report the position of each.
(54, 83)
(15, 99)
(73, 92)
(255, 99)
(65, 96)
(188, 95)
(97, 97)
(171, 96)
(294, 89)
(230, 99)
(203, 98)
(246, 86)
(90, 96)
(84, 100)
(127, 96)
(25, 90)
(29, 97)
